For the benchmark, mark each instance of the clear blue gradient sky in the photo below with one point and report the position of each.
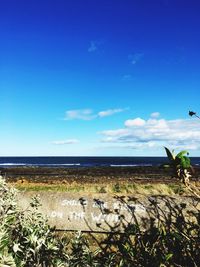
(99, 77)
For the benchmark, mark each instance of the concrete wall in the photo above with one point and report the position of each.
(106, 212)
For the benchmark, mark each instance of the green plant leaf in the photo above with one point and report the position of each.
(168, 256)
(182, 153)
(170, 155)
(185, 162)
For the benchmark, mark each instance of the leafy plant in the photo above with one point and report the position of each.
(182, 168)
(26, 239)
(180, 164)
(81, 255)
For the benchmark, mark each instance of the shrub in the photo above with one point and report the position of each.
(26, 239)
(182, 169)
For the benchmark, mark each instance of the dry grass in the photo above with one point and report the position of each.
(111, 187)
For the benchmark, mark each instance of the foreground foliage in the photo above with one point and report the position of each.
(182, 169)
(181, 165)
(25, 236)
(27, 240)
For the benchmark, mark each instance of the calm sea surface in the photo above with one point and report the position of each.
(86, 161)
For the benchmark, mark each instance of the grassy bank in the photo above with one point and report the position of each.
(169, 189)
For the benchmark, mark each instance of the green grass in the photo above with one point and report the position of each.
(177, 188)
(116, 188)
(54, 188)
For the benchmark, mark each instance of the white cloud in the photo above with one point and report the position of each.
(96, 45)
(134, 58)
(92, 47)
(80, 114)
(88, 114)
(135, 122)
(110, 112)
(118, 132)
(155, 115)
(127, 77)
(66, 142)
(135, 146)
(152, 133)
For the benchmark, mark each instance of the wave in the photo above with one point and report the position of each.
(130, 165)
(12, 164)
(40, 164)
(57, 164)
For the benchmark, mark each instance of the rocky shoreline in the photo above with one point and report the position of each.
(93, 174)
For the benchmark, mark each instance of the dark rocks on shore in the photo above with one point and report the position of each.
(92, 174)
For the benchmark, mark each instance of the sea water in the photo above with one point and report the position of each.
(78, 162)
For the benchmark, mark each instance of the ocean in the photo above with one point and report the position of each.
(79, 162)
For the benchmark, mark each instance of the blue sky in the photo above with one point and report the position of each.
(99, 77)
